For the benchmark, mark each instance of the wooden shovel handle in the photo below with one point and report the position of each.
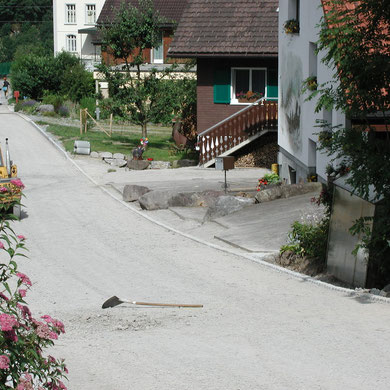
(164, 304)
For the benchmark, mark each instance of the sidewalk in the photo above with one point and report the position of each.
(259, 229)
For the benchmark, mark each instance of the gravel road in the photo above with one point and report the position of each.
(259, 329)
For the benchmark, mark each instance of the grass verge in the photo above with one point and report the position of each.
(160, 147)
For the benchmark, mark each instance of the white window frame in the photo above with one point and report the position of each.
(87, 21)
(71, 43)
(68, 11)
(233, 99)
(158, 60)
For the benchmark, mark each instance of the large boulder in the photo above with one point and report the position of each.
(105, 155)
(205, 198)
(160, 165)
(116, 162)
(156, 200)
(269, 194)
(137, 165)
(226, 205)
(45, 108)
(287, 191)
(132, 192)
(119, 156)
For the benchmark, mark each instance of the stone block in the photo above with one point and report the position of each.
(160, 165)
(45, 108)
(156, 200)
(119, 162)
(226, 205)
(269, 194)
(133, 192)
(287, 191)
(94, 154)
(119, 156)
(138, 165)
(105, 155)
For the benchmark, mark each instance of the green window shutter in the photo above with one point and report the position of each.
(272, 83)
(222, 86)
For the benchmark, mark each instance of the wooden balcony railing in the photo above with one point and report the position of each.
(260, 116)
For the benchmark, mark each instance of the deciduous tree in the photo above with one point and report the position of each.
(137, 95)
(355, 39)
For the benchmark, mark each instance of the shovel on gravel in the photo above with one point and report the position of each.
(115, 301)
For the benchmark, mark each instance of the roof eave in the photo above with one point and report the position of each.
(221, 55)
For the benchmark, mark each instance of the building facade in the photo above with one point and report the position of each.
(74, 25)
(298, 122)
(236, 48)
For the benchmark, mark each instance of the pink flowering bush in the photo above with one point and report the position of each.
(23, 338)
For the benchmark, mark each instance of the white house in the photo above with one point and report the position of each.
(74, 24)
(297, 138)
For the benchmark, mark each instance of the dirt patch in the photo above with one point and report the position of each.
(304, 265)
(313, 267)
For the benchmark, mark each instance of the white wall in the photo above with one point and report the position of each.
(297, 117)
(85, 49)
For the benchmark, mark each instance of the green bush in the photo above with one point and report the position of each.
(272, 178)
(64, 111)
(28, 106)
(89, 103)
(308, 239)
(32, 74)
(77, 83)
(51, 114)
(36, 75)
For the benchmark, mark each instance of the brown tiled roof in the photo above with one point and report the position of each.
(170, 10)
(227, 28)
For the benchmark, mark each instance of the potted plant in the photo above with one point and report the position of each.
(291, 26)
(249, 97)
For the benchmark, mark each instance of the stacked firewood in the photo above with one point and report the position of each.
(262, 153)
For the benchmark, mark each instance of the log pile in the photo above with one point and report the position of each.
(261, 153)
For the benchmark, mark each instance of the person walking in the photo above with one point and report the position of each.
(5, 86)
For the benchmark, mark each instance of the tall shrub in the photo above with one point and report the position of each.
(33, 74)
(36, 75)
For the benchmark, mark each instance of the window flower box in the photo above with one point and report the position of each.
(291, 26)
(249, 97)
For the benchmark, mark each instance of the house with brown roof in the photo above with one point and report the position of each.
(169, 10)
(235, 44)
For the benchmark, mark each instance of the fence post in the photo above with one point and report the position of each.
(111, 124)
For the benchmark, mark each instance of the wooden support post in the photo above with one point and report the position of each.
(110, 124)
(81, 121)
(85, 128)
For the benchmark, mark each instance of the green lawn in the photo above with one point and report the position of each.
(160, 147)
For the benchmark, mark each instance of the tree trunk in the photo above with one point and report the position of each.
(144, 130)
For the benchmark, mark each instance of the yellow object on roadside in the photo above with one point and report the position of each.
(275, 168)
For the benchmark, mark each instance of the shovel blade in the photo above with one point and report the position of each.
(111, 302)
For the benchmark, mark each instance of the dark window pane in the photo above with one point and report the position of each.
(242, 81)
(258, 81)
